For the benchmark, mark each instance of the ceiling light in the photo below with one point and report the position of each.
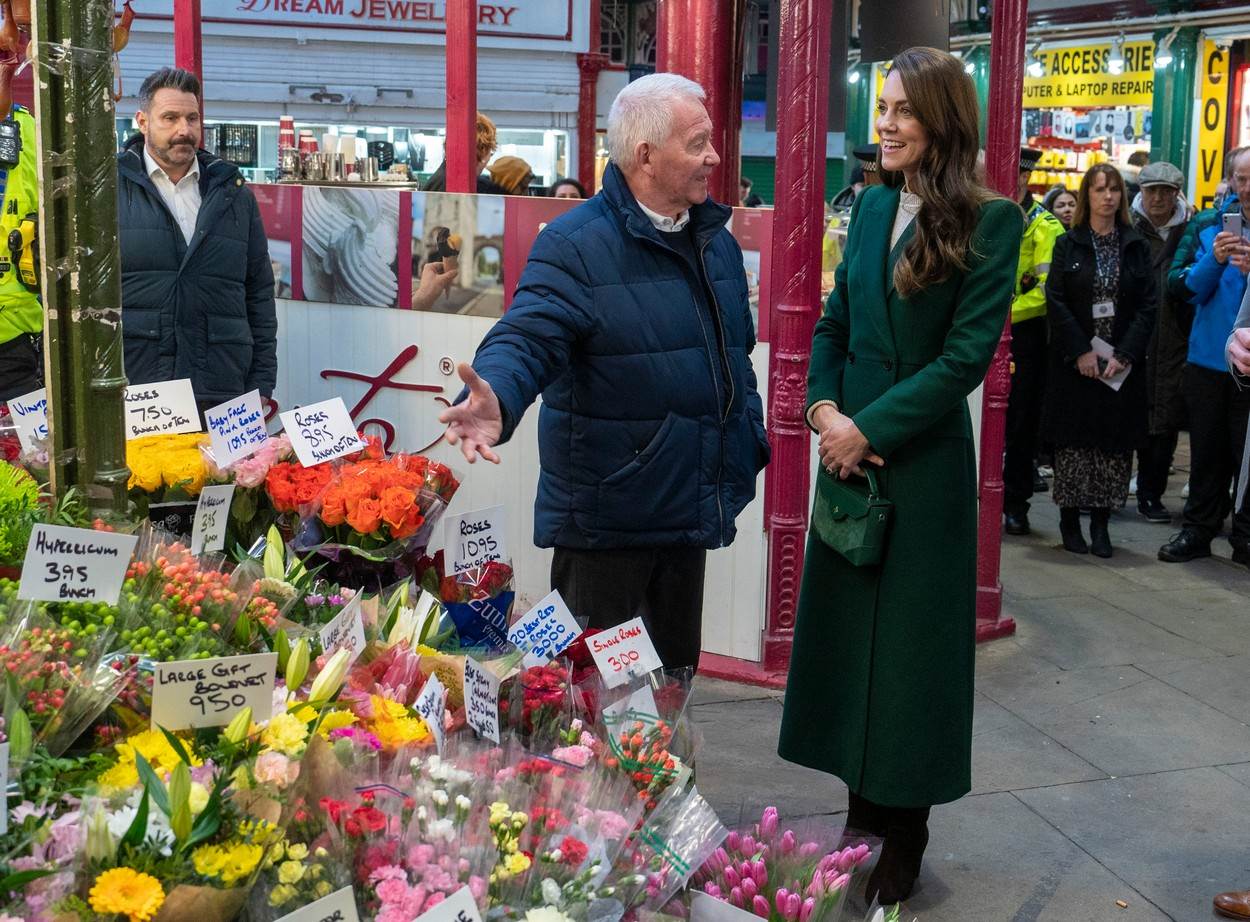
(852, 74)
(1115, 63)
(1163, 56)
(1036, 67)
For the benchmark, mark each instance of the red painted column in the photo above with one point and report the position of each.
(588, 67)
(461, 153)
(798, 222)
(1002, 157)
(702, 40)
(189, 42)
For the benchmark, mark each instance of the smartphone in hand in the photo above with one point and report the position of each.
(1232, 223)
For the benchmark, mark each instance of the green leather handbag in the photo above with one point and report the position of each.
(850, 516)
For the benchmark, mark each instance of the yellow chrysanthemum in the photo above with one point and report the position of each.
(281, 894)
(394, 725)
(323, 888)
(287, 734)
(241, 860)
(334, 720)
(169, 460)
(208, 860)
(154, 747)
(126, 892)
(297, 851)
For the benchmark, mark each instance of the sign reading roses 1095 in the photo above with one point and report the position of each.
(531, 19)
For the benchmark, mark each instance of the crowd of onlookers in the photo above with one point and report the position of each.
(1125, 304)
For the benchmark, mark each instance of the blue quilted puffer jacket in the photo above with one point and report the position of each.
(203, 311)
(651, 430)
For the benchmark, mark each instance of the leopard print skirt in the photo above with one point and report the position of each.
(1091, 478)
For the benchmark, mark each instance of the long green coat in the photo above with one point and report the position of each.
(881, 678)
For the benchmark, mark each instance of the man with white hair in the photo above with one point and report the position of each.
(631, 319)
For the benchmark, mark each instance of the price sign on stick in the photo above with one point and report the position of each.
(623, 652)
(321, 431)
(212, 513)
(237, 428)
(209, 692)
(459, 907)
(481, 699)
(347, 630)
(163, 408)
(75, 564)
(545, 631)
(474, 539)
(339, 906)
(30, 416)
(431, 704)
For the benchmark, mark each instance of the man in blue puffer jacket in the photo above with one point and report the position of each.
(197, 284)
(1214, 280)
(632, 320)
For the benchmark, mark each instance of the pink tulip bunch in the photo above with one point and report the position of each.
(771, 873)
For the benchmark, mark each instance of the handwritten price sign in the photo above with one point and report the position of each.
(237, 428)
(321, 431)
(431, 704)
(209, 692)
(75, 564)
(346, 631)
(212, 514)
(163, 408)
(459, 907)
(545, 631)
(481, 699)
(339, 906)
(474, 539)
(30, 416)
(624, 652)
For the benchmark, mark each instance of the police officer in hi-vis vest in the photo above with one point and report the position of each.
(1028, 352)
(21, 311)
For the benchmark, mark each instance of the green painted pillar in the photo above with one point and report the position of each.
(1172, 117)
(978, 58)
(858, 106)
(78, 242)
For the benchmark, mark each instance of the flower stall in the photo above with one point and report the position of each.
(325, 715)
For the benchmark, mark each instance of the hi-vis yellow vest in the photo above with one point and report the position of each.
(20, 308)
(1035, 251)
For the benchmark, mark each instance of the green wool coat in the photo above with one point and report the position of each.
(881, 677)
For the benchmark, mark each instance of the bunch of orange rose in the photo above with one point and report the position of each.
(382, 499)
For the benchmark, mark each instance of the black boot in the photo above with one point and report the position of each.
(1099, 538)
(1070, 529)
(906, 837)
(863, 818)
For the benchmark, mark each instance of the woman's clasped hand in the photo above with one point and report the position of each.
(843, 448)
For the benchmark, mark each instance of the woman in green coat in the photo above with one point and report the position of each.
(881, 677)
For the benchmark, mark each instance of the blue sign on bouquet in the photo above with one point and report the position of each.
(483, 622)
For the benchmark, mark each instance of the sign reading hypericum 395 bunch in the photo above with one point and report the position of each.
(1081, 75)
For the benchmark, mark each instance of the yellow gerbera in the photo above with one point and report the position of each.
(126, 892)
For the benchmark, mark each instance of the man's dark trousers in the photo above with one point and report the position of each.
(662, 585)
(1217, 432)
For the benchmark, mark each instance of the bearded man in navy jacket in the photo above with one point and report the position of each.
(632, 321)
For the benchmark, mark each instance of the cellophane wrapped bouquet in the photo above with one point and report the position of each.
(779, 874)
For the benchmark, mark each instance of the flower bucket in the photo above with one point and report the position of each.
(176, 518)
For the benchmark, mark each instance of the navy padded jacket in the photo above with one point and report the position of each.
(202, 311)
(642, 441)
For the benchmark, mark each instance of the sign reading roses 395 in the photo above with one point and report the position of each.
(531, 19)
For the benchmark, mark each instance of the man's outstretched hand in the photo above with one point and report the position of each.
(476, 423)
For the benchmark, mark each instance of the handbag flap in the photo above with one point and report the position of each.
(842, 498)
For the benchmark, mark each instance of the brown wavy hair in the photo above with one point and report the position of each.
(944, 99)
(1114, 178)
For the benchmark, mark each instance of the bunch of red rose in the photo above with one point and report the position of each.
(485, 582)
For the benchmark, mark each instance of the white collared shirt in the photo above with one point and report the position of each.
(182, 197)
(665, 224)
